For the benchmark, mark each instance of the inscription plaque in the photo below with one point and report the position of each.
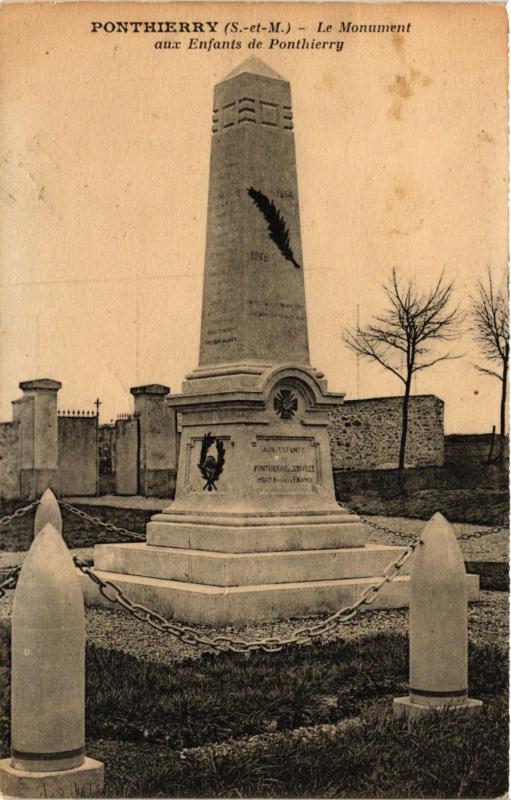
(286, 464)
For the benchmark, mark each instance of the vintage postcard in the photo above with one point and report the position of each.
(254, 399)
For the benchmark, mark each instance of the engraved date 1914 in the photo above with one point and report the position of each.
(258, 255)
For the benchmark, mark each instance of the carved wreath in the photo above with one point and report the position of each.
(210, 467)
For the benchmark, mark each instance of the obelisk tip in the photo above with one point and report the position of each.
(254, 66)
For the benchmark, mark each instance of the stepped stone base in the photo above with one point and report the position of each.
(252, 533)
(204, 604)
(222, 568)
(228, 573)
(244, 569)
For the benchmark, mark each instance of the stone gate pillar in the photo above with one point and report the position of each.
(36, 412)
(157, 440)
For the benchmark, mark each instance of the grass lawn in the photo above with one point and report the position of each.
(477, 506)
(307, 722)
(310, 721)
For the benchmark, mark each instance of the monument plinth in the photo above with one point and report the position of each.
(255, 531)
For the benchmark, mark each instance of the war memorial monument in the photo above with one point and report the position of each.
(254, 532)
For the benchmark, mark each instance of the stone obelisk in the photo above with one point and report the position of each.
(254, 392)
(255, 531)
(253, 306)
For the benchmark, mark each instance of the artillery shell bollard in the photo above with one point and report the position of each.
(48, 678)
(438, 626)
(48, 511)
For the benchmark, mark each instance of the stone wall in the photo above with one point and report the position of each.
(365, 434)
(139, 453)
(476, 493)
(10, 460)
(77, 455)
(472, 448)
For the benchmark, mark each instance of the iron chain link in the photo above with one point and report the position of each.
(109, 526)
(10, 580)
(20, 512)
(462, 537)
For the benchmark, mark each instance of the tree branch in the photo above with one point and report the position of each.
(486, 371)
(490, 320)
(360, 343)
(447, 357)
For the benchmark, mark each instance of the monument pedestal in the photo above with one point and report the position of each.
(255, 532)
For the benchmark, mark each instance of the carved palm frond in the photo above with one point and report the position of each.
(277, 228)
(220, 460)
(207, 441)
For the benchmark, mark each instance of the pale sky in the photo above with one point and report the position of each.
(402, 161)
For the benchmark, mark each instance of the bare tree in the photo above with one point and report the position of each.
(402, 339)
(490, 328)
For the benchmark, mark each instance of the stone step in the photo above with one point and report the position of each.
(214, 605)
(244, 569)
(298, 534)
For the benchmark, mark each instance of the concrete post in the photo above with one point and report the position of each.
(37, 413)
(438, 625)
(48, 677)
(157, 444)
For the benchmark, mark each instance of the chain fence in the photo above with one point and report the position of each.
(462, 537)
(116, 529)
(9, 579)
(109, 526)
(9, 575)
(222, 642)
(405, 536)
(20, 512)
(302, 636)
